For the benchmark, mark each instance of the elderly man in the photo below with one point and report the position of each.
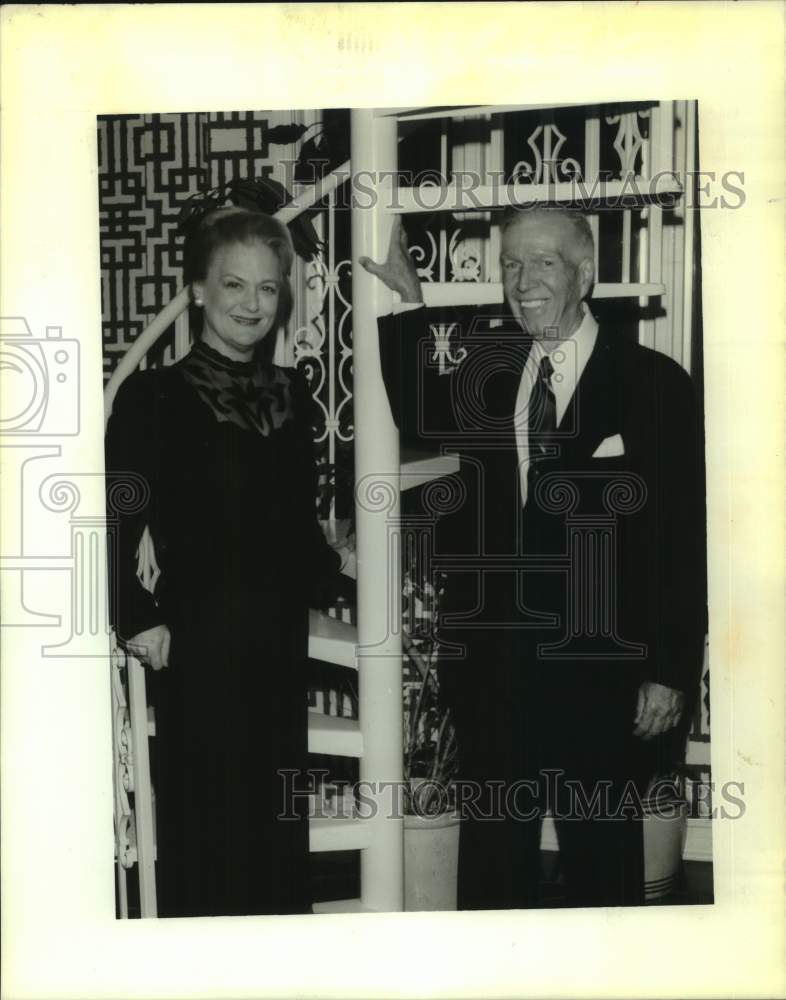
(573, 615)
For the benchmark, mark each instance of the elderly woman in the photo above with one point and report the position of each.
(223, 443)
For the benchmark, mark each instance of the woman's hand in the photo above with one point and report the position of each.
(349, 561)
(152, 646)
(398, 272)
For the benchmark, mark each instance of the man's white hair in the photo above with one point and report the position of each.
(584, 246)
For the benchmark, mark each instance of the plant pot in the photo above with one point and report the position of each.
(430, 862)
(665, 830)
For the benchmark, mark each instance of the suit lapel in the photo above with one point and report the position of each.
(593, 412)
(595, 408)
(512, 348)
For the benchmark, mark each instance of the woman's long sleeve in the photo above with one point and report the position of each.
(131, 488)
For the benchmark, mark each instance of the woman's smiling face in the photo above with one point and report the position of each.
(240, 298)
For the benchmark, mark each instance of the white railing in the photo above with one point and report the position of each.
(134, 824)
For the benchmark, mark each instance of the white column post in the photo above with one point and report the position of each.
(374, 151)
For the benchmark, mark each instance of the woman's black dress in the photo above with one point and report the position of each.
(220, 458)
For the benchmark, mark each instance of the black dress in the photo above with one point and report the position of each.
(219, 455)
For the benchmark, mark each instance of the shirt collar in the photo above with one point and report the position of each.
(570, 357)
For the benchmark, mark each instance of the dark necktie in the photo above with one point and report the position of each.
(542, 411)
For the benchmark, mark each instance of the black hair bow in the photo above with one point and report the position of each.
(261, 194)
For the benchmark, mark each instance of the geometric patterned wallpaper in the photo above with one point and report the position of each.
(148, 166)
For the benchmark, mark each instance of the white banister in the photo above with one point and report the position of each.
(133, 356)
(377, 497)
(309, 198)
(143, 800)
(122, 781)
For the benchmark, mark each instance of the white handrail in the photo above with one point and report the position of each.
(143, 799)
(130, 360)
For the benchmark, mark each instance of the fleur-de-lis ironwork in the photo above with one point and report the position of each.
(546, 142)
(628, 142)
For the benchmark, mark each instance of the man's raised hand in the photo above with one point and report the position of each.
(398, 272)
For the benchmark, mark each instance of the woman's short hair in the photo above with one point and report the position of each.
(230, 225)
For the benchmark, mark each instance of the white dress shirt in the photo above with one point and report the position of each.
(568, 358)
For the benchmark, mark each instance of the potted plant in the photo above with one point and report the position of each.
(431, 825)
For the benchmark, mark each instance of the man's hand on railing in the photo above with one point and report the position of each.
(152, 646)
(398, 272)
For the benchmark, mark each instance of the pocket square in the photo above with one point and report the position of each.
(610, 447)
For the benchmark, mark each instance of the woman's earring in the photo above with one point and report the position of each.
(198, 302)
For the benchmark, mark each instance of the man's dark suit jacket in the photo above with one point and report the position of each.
(554, 614)
(641, 511)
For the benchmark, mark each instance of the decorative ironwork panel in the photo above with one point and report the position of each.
(122, 779)
(544, 146)
(323, 349)
(624, 137)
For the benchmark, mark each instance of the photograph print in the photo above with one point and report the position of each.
(406, 513)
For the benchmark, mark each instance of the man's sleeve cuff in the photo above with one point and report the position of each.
(402, 307)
